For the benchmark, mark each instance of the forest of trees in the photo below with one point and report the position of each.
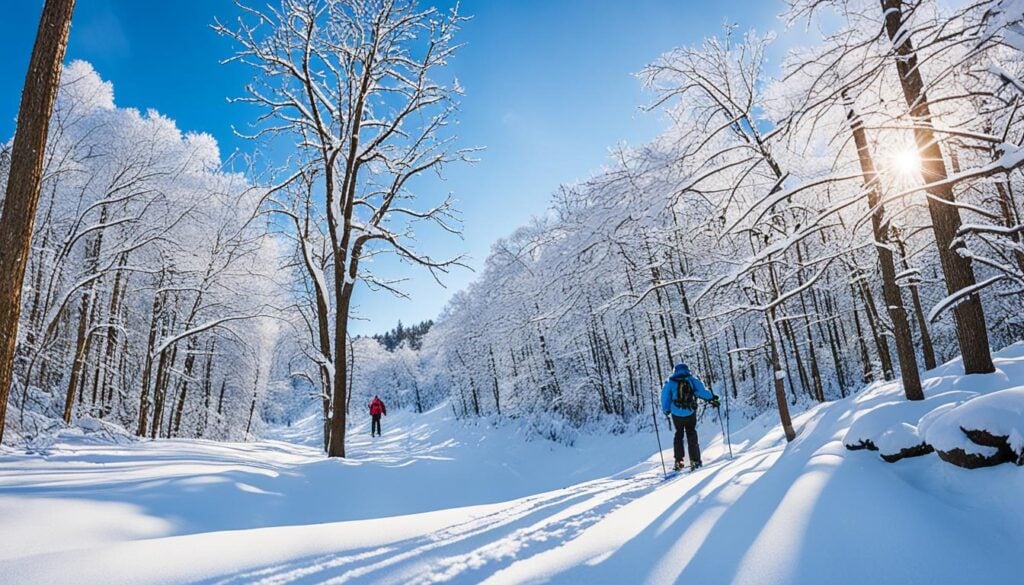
(149, 289)
(176, 294)
(855, 217)
(413, 336)
(794, 233)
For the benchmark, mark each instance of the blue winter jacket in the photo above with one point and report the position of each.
(668, 391)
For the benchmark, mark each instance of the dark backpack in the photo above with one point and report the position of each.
(686, 397)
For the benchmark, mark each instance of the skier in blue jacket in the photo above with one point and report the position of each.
(679, 400)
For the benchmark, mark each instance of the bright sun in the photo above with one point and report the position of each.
(907, 162)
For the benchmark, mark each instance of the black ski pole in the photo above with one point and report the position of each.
(728, 431)
(661, 453)
(728, 441)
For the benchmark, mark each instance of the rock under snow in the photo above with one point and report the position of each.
(900, 442)
(891, 427)
(981, 432)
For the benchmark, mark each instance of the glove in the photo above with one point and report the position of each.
(714, 402)
(667, 412)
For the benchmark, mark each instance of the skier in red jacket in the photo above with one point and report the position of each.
(377, 409)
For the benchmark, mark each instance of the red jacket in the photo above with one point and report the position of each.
(377, 408)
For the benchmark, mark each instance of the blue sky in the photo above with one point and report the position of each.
(549, 88)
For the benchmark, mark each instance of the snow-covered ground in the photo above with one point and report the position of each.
(437, 501)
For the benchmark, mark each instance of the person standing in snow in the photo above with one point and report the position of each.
(377, 409)
(679, 400)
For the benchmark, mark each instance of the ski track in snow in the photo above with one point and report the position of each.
(435, 501)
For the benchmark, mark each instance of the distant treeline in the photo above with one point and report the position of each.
(392, 339)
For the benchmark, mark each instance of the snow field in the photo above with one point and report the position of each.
(438, 501)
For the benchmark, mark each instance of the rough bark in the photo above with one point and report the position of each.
(25, 177)
(972, 334)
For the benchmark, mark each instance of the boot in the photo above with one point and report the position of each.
(679, 466)
(695, 465)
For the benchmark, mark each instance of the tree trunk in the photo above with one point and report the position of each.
(163, 375)
(207, 387)
(25, 177)
(220, 398)
(78, 363)
(874, 324)
(927, 348)
(890, 290)
(780, 378)
(1010, 219)
(969, 316)
(252, 406)
(494, 377)
(190, 360)
(147, 367)
(113, 317)
(336, 443)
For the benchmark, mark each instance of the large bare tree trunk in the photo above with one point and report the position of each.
(22, 196)
(336, 442)
(968, 314)
(890, 290)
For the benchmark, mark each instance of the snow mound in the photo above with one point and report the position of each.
(891, 428)
(969, 421)
(981, 432)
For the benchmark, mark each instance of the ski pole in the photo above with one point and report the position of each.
(657, 434)
(728, 431)
(728, 441)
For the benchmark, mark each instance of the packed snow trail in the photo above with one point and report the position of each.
(436, 501)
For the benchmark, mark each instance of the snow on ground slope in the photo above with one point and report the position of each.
(436, 502)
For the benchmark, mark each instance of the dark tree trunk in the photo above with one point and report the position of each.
(25, 177)
(336, 443)
(890, 290)
(220, 398)
(875, 325)
(186, 376)
(1010, 219)
(78, 361)
(927, 348)
(113, 317)
(865, 361)
(780, 381)
(968, 314)
(147, 367)
(207, 386)
(252, 405)
(494, 377)
(777, 373)
(163, 379)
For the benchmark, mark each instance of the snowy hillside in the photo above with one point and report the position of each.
(437, 501)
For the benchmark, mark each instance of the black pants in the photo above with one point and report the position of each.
(686, 425)
(375, 425)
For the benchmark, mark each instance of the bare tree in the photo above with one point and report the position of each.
(352, 83)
